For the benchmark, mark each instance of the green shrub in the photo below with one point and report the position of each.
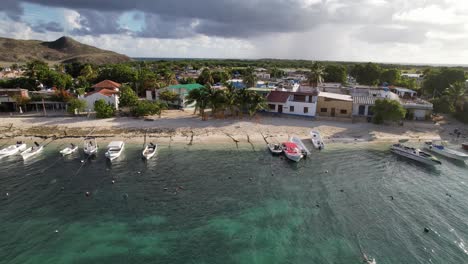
(128, 97)
(443, 104)
(387, 109)
(79, 105)
(103, 110)
(144, 108)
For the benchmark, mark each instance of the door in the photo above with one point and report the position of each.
(332, 112)
(362, 110)
(280, 109)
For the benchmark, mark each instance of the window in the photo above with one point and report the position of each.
(306, 110)
(323, 110)
(343, 111)
(299, 98)
(272, 107)
(291, 108)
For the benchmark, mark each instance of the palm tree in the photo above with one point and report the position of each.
(231, 98)
(250, 79)
(456, 93)
(206, 77)
(315, 76)
(170, 78)
(201, 99)
(255, 102)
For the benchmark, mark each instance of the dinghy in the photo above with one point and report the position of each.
(13, 149)
(275, 149)
(69, 150)
(446, 152)
(149, 151)
(90, 146)
(292, 151)
(415, 154)
(317, 140)
(114, 149)
(305, 152)
(29, 152)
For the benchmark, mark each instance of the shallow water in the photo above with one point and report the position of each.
(228, 205)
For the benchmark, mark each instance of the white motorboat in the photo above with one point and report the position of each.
(114, 149)
(90, 146)
(29, 152)
(149, 151)
(414, 154)
(300, 145)
(317, 140)
(446, 152)
(69, 150)
(275, 148)
(13, 149)
(292, 151)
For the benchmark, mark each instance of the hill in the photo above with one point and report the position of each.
(62, 50)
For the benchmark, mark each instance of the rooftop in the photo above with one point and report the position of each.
(106, 84)
(342, 97)
(278, 97)
(105, 92)
(188, 87)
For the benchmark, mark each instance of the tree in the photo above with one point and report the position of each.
(367, 74)
(36, 69)
(315, 76)
(456, 92)
(169, 78)
(128, 97)
(205, 77)
(120, 73)
(220, 76)
(436, 81)
(187, 80)
(443, 104)
(103, 109)
(76, 104)
(169, 96)
(250, 79)
(335, 73)
(277, 73)
(386, 109)
(255, 102)
(57, 79)
(201, 99)
(390, 76)
(144, 108)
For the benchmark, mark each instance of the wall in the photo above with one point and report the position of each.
(90, 100)
(356, 110)
(298, 108)
(339, 105)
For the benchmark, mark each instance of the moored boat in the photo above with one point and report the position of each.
(90, 146)
(69, 150)
(13, 149)
(275, 148)
(292, 151)
(414, 154)
(300, 145)
(29, 152)
(317, 140)
(114, 149)
(149, 151)
(465, 146)
(446, 152)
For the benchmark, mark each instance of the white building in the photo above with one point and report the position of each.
(294, 103)
(106, 90)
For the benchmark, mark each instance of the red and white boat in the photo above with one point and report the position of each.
(292, 151)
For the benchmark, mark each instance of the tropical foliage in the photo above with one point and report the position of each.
(76, 105)
(103, 110)
(315, 76)
(168, 96)
(128, 97)
(335, 73)
(145, 108)
(388, 110)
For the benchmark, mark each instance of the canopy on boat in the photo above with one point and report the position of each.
(115, 144)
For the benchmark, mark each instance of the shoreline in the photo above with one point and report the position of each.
(182, 127)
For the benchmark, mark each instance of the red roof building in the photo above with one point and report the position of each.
(107, 84)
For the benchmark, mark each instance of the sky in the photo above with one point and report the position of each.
(416, 31)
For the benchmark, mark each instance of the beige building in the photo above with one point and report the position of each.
(334, 105)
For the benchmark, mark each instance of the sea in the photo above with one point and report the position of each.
(223, 203)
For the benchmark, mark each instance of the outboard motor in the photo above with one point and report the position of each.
(37, 144)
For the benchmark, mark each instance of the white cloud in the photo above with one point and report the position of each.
(432, 14)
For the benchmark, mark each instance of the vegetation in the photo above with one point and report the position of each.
(169, 96)
(205, 77)
(335, 73)
(388, 110)
(315, 76)
(103, 110)
(128, 97)
(250, 79)
(145, 108)
(76, 105)
(367, 74)
(437, 81)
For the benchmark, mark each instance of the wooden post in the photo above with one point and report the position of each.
(43, 107)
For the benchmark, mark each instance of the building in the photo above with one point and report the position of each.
(417, 109)
(294, 103)
(181, 89)
(106, 90)
(9, 97)
(404, 92)
(334, 105)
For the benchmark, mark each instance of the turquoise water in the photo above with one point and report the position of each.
(227, 205)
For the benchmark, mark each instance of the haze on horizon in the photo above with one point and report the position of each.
(418, 31)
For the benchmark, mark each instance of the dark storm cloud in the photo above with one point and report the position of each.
(42, 27)
(96, 23)
(12, 8)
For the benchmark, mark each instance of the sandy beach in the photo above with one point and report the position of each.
(184, 127)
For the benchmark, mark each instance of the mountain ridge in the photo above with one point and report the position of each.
(62, 50)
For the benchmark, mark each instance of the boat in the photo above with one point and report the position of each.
(13, 149)
(292, 151)
(149, 151)
(446, 152)
(317, 140)
(300, 145)
(90, 146)
(275, 148)
(29, 152)
(465, 146)
(415, 154)
(69, 150)
(114, 149)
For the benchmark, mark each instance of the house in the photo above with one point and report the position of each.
(294, 103)
(404, 92)
(417, 109)
(181, 89)
(364, 99)
(106, 90)
(334, 105)
(9, 97)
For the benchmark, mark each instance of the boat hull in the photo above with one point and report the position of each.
(414, 157)
(12, 150)
(68, 151)
(317, 141)
(112, 155)
(273, 150)
(294, 157)
(28, 153)
(449, 154)
(149, 154)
